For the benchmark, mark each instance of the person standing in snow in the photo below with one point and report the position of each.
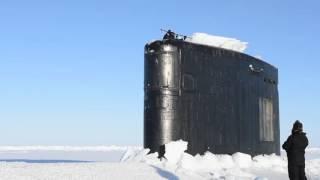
(295, 147)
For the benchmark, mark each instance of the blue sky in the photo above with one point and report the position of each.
(71, 72)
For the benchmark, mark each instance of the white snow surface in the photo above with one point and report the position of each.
(136, 163)
(218, 41)
(66, 148)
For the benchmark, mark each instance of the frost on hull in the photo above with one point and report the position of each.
(218, 100)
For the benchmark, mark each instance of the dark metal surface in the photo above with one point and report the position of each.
(218, 100)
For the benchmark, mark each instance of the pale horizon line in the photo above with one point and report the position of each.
(71, 148)
(67, 148)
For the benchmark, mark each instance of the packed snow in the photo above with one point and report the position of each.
(137, 163)
(218, 41)
(212, 166)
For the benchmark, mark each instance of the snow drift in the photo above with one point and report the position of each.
(218, 41)
(212, 166)
(137, 163)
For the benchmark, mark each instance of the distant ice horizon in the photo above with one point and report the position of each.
(84, 148)
(101, 153)
(68, 148)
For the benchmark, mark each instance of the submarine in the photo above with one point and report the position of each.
(216, 99)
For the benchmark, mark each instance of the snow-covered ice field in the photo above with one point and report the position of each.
(114, 162)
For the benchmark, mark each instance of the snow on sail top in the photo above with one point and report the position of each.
(218, 41)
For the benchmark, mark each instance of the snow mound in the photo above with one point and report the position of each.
(218, 41)
(175, 155)
(177, 164)
(242, 160)
(313, 169)
(269, 161)
(131, 155)
(213, 166)
(175, 150)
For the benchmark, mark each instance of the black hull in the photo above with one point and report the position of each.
(218, 100)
